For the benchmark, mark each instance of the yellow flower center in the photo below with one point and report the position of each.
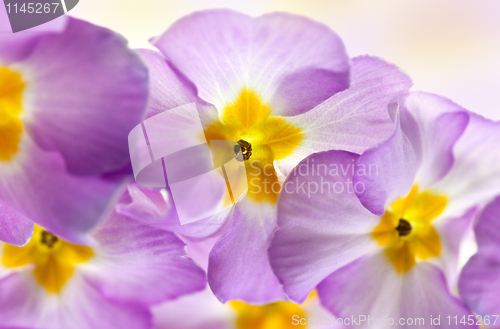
(11, 126)
(407, 232)
(53, 259)
(262, 138)
(272, 316)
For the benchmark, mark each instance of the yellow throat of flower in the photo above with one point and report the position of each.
(406, 229)
(272, 316)
(262, 138)
(11, 127)
(53, 259)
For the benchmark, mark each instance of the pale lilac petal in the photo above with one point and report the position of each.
(201, 310)
(199, 249)
(452, 232)
(323, 226)
(441, 123)
(371, 287)
(79, 306)
(277, 55)
(354, 119)
(155, 207)
(238, 266)
(395, 163)
(475, 176)
(98, 93)
(168, 89)
(14, 228)
(136, 263)
(37, 186)
(480, 279)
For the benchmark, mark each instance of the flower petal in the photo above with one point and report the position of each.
(441, 123)
(452, 232)
(14, 229)
(371, 287)
(323, 226)
(37, 185)
(136, 263)
(196, 311)
(238, 266)
(475, 176)
(277, 55)
(85, 91)
(396, 161)
(354, 119)
(155, 207)
(168, 88)
(479, 284)
(78, 306)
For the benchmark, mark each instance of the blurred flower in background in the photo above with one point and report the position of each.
(68, 99)
(51, 283)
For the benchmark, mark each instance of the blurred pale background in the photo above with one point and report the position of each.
(449, 47)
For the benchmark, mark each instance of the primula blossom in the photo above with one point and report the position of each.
(387, 243)
(280, 87)
(68, 98)
(53, 284)
(479, 283)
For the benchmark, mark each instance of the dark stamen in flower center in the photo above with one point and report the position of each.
(245, 148)
(49, 239)
(404, 228)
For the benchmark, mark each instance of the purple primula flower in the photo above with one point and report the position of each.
(479, 283)
(53, 284)
(379, 234)
(68, 99)
(275, 84)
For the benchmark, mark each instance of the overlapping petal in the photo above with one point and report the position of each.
(371, 287)
(314, 241)
(280, 56)
(238, 265)
(441, 123)
(479, 281)
(85, 91)
(475, 176)
(396, 161)
(354, 119)
(40, 189)
(136, 263)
